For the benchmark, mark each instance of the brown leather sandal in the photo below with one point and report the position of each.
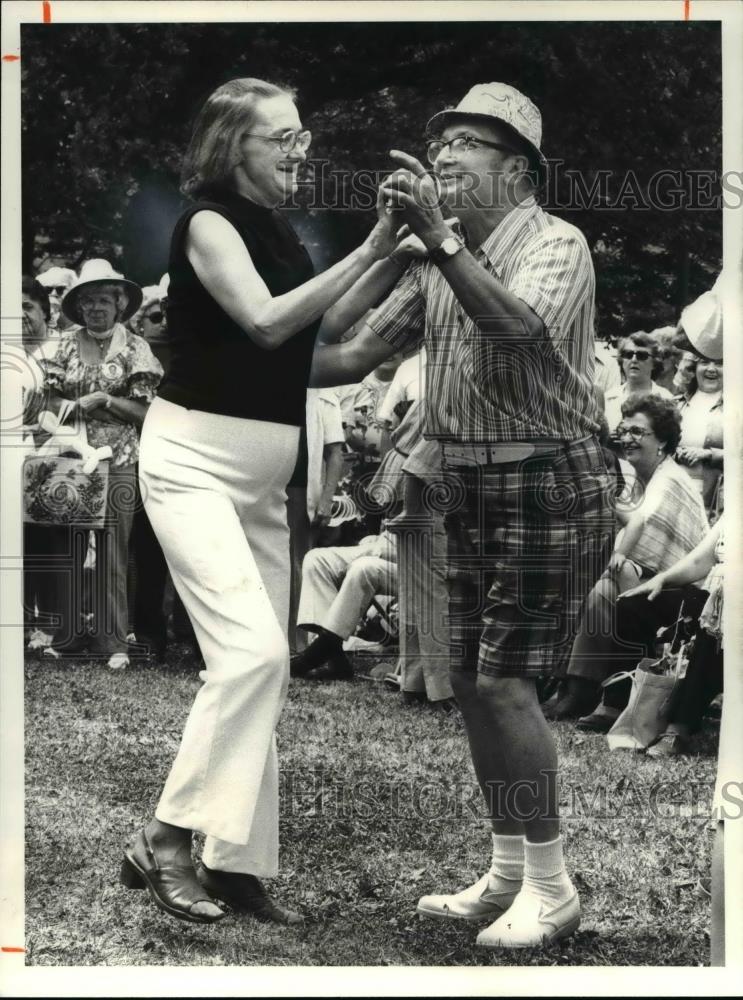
(174, 889)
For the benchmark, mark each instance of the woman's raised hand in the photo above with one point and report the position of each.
(382, 240)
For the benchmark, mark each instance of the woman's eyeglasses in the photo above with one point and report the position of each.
(636, 432)
(154, 317)
(639, 354)
(462, 144)
(288, 141)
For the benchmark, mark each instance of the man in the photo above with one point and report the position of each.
(507, 317)
(309, 506)
(57, 281)
(338, 585)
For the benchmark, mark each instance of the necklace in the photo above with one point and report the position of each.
(102, 343)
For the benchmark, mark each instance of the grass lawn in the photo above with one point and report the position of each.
(379, 806)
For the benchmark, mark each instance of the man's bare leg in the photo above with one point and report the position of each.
(516, 765)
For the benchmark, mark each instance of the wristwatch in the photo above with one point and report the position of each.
(447, 249)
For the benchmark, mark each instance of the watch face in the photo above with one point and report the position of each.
(450, 246)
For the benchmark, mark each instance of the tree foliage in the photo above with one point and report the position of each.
(107, 112)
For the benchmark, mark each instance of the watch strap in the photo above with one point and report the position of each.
(439, 255)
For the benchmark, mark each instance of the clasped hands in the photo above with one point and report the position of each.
(412, 196)
(93, 405)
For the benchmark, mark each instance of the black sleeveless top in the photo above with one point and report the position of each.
(215, 366)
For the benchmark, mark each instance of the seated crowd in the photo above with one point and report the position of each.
(366, 508)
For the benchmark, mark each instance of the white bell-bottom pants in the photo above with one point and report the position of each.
(214, 490)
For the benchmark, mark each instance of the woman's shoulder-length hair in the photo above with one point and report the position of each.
(217, 130)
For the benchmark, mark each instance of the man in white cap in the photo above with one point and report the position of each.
(506, 309)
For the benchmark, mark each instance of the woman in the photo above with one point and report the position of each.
(668, 356)
(638, 356)
(700, 449)
(706, 658)
(39, 592)
(111, 374)
(703, 678)
(663, 520)
(219, 445)
(148, 572)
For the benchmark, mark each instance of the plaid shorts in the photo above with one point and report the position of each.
(526, 541)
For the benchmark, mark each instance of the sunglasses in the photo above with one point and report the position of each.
(154, 317)
(57, 289)
(636, 432)
(639, 354)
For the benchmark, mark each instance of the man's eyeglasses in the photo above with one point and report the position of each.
(288, 141)
(636, 432)
(154, 317)
(462, 144)
(640, 354)
(57, 289)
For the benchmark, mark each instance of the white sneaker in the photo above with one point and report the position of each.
(119, 661)
(531, 922)
(486, 899)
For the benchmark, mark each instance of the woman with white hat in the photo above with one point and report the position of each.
(218, 448)
(111, 374)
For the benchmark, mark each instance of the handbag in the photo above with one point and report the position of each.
(58, 489)
(654, 683)
(648, 710)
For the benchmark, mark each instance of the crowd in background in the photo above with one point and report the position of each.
(366, 509)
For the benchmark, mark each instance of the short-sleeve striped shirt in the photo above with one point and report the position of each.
(487, 386)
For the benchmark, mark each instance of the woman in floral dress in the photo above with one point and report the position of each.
(111, 374)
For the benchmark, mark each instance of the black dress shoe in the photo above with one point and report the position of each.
(245, 894)
(326, 646)
(338, 668)
(174, 889)
(578, 701)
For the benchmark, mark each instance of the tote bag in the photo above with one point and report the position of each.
(648, 709)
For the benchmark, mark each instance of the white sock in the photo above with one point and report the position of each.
(544, 872)
(508, 857)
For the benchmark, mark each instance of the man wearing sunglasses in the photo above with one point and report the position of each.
(56, 281)
(506, 310)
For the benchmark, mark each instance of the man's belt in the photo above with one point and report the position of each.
(503, 453)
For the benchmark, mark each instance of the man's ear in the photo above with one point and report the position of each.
(520, 164)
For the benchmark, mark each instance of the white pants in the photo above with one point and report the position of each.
(423, 601)
(214, 490)
(339, 582)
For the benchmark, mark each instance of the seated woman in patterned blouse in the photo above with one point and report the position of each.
(111, 374)
(663, 518)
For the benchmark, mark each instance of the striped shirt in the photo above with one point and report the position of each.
(675, 519)
(486, 387)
